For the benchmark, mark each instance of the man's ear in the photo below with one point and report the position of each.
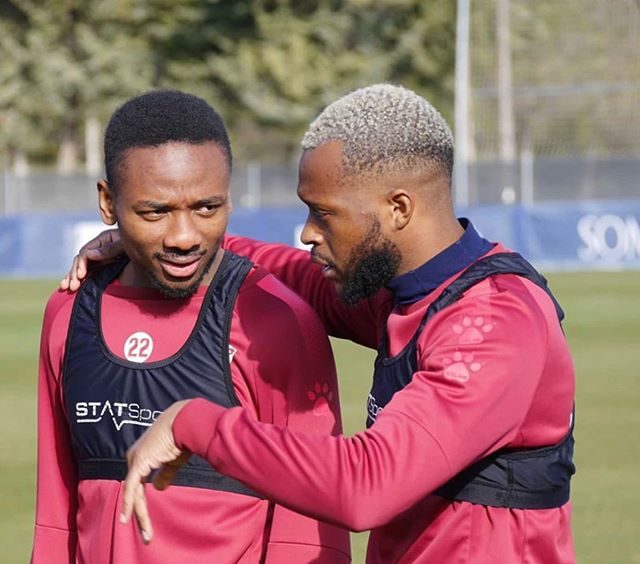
(402, 207)
(106, 203)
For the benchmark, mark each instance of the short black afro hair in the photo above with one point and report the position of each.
(159, 117)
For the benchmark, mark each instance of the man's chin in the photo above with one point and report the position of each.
(177, 291)
(349, 295)
(176, 288)
(179, 288)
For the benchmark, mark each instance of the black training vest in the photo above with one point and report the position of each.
(110, 401)
(523, 478)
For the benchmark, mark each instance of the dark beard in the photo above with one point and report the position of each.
(179, 293)
(372, 264)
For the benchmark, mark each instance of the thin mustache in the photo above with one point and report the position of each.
(317, 256)
(180, 256)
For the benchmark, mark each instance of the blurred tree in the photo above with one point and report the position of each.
(18, 120)
(276, 63)
(72, 61)
(419, 40)
(267, 65)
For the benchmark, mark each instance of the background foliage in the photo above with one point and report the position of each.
(268, 66)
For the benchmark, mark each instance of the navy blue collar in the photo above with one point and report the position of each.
(416, 284)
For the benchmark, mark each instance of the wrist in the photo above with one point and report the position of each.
(194, 425)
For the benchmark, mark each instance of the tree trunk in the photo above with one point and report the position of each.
(92, 146)
(67, 156)
(20, 165)
(506, 119)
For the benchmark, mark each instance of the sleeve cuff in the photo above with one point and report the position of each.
(195, 425)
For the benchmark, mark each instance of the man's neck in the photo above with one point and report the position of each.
(424, 244)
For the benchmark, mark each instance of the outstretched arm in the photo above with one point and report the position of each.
(415, 446)
(292, 266)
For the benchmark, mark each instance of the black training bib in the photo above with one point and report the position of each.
(523, 479)
(111, 401)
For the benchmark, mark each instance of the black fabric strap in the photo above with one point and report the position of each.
(499, 263)
(195, 477)
(524, 479)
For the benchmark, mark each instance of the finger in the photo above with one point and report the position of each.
(142, 514)
(94, 254)
(91, 245)
(65, 284)
(105, 253)
(81, 266)
(164, 477)
(104, 237)
(74, 284)
(108, 251)
(113, 235)
(71, 275)
(167, 473)
(134, 479)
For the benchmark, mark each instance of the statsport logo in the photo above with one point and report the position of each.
(373, 409)
(121, 413)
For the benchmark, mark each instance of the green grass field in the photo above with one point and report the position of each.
(603, 322)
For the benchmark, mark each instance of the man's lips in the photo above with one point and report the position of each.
(328, 268)
(180, 267)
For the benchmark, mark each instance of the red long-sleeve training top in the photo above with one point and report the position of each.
(494, 372)
(282, 372)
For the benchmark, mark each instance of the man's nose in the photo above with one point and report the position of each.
(310, 234)
(183, 233)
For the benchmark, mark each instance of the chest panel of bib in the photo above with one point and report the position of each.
(110, 401)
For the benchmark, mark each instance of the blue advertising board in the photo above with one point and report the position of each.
(554, 236)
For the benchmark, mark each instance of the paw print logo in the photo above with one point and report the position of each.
(471, 330)
(320, 395)
(460, 366)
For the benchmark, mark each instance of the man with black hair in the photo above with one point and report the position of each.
(179, 318)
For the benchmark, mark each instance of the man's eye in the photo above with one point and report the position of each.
(153, 214)
(319, 213)
(208, 209)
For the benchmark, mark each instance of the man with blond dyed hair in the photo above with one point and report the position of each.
(468, 452)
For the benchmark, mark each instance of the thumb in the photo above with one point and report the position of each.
(94, 254)
(167, 473)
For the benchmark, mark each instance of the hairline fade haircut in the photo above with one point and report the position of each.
(158, 117)
(384, 128)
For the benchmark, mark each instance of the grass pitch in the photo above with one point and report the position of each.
(602, 326)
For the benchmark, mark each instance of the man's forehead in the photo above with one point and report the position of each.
(331, 150)
(172, 149)
(166, 172)
(321, 167)
(175, 160)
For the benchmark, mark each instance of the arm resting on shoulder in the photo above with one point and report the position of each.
(293, 266)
